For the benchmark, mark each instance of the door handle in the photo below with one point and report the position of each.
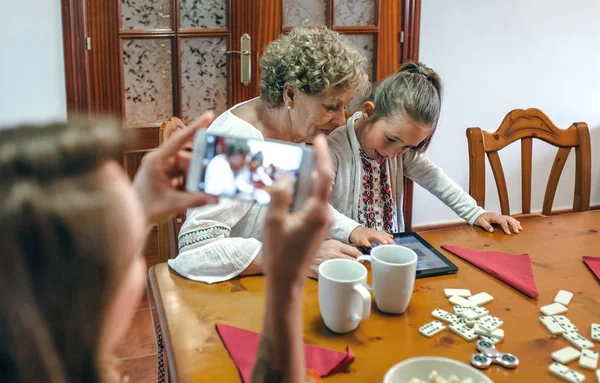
(245, 53)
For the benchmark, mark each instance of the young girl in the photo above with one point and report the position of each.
(379, 146)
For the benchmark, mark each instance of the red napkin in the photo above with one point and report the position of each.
(512, 269)
(242, 345)
(594, 264)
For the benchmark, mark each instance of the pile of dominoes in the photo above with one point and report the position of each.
(471, 321)
(558, 324)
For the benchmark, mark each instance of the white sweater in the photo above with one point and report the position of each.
(218, 242)
(345, 154)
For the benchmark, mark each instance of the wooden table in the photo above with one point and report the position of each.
(189, 310)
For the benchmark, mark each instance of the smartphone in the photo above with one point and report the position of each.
(245, 168)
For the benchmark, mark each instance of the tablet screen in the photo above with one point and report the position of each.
(427, 259)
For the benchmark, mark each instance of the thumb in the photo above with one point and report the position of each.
(364, 242)
(486, 226)
(322, 184)
(281, 196)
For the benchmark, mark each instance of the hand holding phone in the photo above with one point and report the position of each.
(291, 241)
(245, 168)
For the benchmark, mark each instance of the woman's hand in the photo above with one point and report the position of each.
(332, 249)
(507, 223)
(157, 178)
(361, 236)
(292, 240)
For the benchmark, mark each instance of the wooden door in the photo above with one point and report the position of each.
(151, 60)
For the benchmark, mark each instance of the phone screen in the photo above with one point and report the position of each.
(244, 168)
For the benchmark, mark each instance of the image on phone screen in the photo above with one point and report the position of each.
(244, 168)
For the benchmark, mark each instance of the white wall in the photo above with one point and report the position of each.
(494, 56)
(32, 81)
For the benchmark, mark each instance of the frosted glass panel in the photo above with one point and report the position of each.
(354, 12)
(146, 14)
(365, 44)
(203, 76)
(203, 14)
(304, 13)
(148, 81)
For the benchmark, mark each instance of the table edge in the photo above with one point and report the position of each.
(168, 347)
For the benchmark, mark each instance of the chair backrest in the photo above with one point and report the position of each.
(525, 125)
(169, 127)
(168, 231)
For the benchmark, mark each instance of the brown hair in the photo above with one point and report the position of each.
(415, 90)
(59, 241)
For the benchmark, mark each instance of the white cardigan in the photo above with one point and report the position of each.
(345, 154)
(218, 242)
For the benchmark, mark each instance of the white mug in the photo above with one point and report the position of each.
(394, 270)
(343, 298)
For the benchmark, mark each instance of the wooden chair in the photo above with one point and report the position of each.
(525, 125)
(168, 231)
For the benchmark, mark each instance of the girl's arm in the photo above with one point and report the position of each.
(347, 230)
(432, 178)
(426, 174)
(342, 226)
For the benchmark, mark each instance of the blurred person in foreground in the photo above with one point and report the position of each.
(72, 231)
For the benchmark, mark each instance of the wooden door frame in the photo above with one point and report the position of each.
(411, 25)
(75, 55)
(77, 61)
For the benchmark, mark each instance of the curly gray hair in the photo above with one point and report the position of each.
(314, 61)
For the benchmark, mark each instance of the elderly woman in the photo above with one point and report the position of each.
(307, 79)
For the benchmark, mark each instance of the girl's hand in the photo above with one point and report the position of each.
(507, 223)
(361, 236)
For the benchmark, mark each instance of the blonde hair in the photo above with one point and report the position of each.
(414, 91)
(313, 60)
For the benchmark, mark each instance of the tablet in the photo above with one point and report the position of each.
(430, 263)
